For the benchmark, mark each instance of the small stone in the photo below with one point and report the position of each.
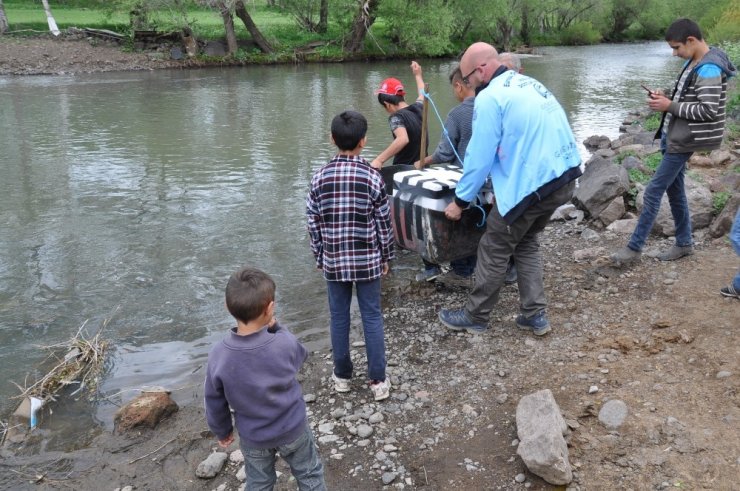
(376, 418)
(515, 442)
(501, 398)
(338, 413)
(236, 457)
(593, 389)
(212, 465)
(520, 478)
(389, 448)
(381, 456)
(241, 475)
(364, 431)
(337, 456)
(326, 427)
(363, 443)
(613, 414)
(723, 374)
(309, 398)
(328, 438)
(388, 477)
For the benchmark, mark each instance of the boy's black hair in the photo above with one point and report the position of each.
(390, 99)
(347, 129)
(681, 29)
(248, 293)
(456, 75)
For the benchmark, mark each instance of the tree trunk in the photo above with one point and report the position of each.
(524, 32)
(323, 17)
(364, 19)
(3, 19)
(257, 37)
(229, 26)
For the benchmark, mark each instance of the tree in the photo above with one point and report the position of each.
(364, 19)
(228, 19)
(259, 39)
(3, 19)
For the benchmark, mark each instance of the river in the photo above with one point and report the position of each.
(127, 199)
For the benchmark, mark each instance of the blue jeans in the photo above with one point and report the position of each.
(368, 298)
(465, 266)
(669, 178)
(735, 240)
(301, 455)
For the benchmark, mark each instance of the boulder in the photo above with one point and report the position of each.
(697, 160)
(632, 162)
(540, 428)
(596, 141)
(601, 182)
(700, 208)
(613, 212)
(721, 156)
(147, 409)
(605, 153)
(722, 224)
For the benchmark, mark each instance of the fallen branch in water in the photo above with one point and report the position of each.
(77, 361)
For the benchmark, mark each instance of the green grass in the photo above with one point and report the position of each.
(636, 175)
(719, 200)
(652, 122)
(652, 161)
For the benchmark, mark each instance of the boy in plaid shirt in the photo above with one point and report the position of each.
(352, 239)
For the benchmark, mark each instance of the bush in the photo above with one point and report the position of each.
(580, 33)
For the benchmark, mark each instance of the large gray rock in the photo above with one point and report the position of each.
(540, 428)
(613, 212)
(700, 208)
(723, 223)
(626, 226)
(596, 141)
(601, 182)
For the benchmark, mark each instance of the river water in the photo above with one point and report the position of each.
(127, 200)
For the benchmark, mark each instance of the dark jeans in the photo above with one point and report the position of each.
(368, 298)
(735, 240)
(465, 266)
(668, 178)
(501, 241)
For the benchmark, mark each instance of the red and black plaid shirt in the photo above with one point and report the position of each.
(349, 220)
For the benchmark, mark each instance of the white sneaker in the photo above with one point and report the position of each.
(340, 384)
(381, 390)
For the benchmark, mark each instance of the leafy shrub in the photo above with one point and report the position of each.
(719, 200)
(580, 33)
(412, 24)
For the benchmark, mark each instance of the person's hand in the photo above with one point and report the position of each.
(376, 164)
(386, 269)
(228, 440)
(453, 212)
(418, 165)
(658, 102)
(415, 68)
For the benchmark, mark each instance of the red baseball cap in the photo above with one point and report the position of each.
(391, 86)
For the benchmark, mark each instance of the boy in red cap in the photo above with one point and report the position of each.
(405, 123)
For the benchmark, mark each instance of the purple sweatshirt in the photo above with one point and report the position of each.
(255, 376)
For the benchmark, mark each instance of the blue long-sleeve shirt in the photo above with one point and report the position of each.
(522, 139)
(255, 376)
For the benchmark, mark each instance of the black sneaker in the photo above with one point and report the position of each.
(729, 291)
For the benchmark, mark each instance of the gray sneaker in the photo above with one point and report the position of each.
(625, 256)
(676, 252)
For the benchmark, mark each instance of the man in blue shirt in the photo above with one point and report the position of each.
(522, 139)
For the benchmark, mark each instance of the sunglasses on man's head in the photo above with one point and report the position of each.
(466, 77)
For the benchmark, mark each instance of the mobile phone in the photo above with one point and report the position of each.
(650, 91)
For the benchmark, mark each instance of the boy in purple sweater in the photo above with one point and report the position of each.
(252, 372)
